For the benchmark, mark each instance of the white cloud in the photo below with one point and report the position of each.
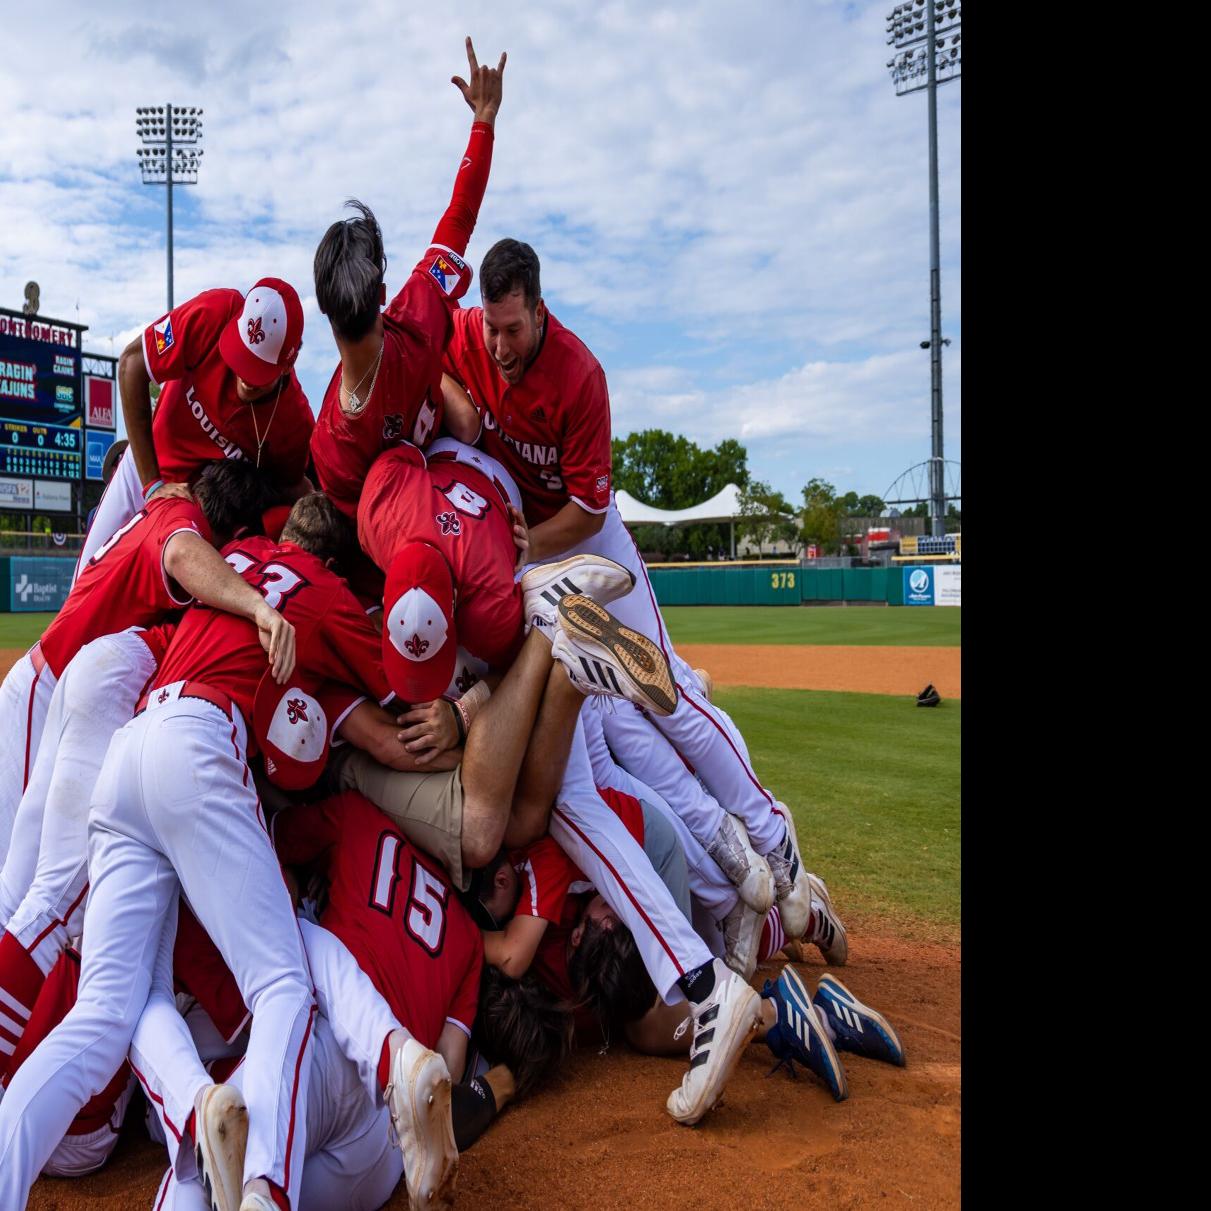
(737, 205)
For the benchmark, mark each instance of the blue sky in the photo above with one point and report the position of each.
(730, 201)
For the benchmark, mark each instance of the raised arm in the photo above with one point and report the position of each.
(206, 576)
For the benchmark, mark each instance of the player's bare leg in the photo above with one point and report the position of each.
(546, 759)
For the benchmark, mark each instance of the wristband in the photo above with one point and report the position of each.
(472, 702)
(154, 486)
(459, 722)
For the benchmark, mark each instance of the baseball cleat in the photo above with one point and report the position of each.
(723, 1025)
(708, 684)
(602, 580)
(604, 657)
(220, 1129)
(791, 887)
(419, 1100)
(857, 1027)
(744, 867)
(257, 1202)
(825, 929)
(799, 1034)
(742, 939)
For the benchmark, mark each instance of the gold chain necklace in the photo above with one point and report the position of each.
(260, 441)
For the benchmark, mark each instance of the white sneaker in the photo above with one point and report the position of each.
(723, 1026)
(593, 576)
(827, 932)
(257, 1202)
(419, 1100)
(604, 657)
(708, 684)
(742, 939)
(742, 864)
(791, 887)
(220, 1130)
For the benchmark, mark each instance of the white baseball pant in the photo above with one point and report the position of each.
(350, 1163)
(78, 1155)
(45, 874)
(121, 500)
(598, 842)
(174, 809)
(709, 886)
(696, 729)
(24, 700)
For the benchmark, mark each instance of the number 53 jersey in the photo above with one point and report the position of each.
(393, 907)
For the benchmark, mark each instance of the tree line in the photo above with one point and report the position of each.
(669, 471)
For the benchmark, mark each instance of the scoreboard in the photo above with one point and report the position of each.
(41, 398)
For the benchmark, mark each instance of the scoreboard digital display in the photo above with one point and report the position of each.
(41, 398)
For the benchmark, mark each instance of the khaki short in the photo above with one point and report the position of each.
(427, 807)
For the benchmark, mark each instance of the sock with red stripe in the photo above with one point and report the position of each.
(773, 936)
(21, 980)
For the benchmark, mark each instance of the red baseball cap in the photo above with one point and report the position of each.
(419, 641)
(261, 343)
(292, 731)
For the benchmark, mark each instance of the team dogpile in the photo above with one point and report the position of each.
(331, 817)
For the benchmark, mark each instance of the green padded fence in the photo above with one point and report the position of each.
(782, 584)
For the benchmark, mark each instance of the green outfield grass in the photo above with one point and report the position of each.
(20, 630)
(875, 788)
(893, 625)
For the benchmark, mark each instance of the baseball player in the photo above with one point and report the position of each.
(387, 387)
(541, 397)
(102, 659)
(175, 807)
(225, 366)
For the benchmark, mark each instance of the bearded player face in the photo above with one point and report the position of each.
(513, 333)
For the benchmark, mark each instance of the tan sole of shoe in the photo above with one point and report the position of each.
(431, 1115)
(642, 659)
(221, 1150)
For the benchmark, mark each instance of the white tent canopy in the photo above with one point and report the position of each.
(724, 506)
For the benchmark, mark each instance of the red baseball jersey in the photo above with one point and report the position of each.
(394, 909)
(457, 509)
(334, 641)
(200, 417)
(406, 403)
(124, 584)
(552, 429)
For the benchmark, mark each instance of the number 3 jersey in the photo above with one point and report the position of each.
(335, 641)
(393, 907)
(456, 508)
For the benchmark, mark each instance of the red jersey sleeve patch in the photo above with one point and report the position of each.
(447, 270)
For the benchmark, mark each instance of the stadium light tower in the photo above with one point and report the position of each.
(170, 154)
(929, 51)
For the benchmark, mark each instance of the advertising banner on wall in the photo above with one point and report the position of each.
(918, 586)
(51, 497)
(948, 586)
(38, 584)
(16, 493)
(99, 397)
(96, 446)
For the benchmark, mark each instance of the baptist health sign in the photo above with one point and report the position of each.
(933, 585)
(35, 583)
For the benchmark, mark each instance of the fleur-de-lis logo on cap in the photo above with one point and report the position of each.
(296, 709)
(256, 334)
(416, 646)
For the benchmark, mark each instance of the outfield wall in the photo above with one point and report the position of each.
(32, 583)
(792, 585)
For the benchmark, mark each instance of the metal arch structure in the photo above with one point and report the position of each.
(915, 486)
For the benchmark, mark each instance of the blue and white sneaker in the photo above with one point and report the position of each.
(857, 1027)
(798, 1034)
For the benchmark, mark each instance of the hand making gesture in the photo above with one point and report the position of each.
(484, 92)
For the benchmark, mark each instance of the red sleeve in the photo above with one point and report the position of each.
(457, 224)
(178, 342)
(585, 455)
(302, 833)
(337, 701)
(354, 647)
(490, 624)
(463, 1007)
(175, 516)
(547, 874)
